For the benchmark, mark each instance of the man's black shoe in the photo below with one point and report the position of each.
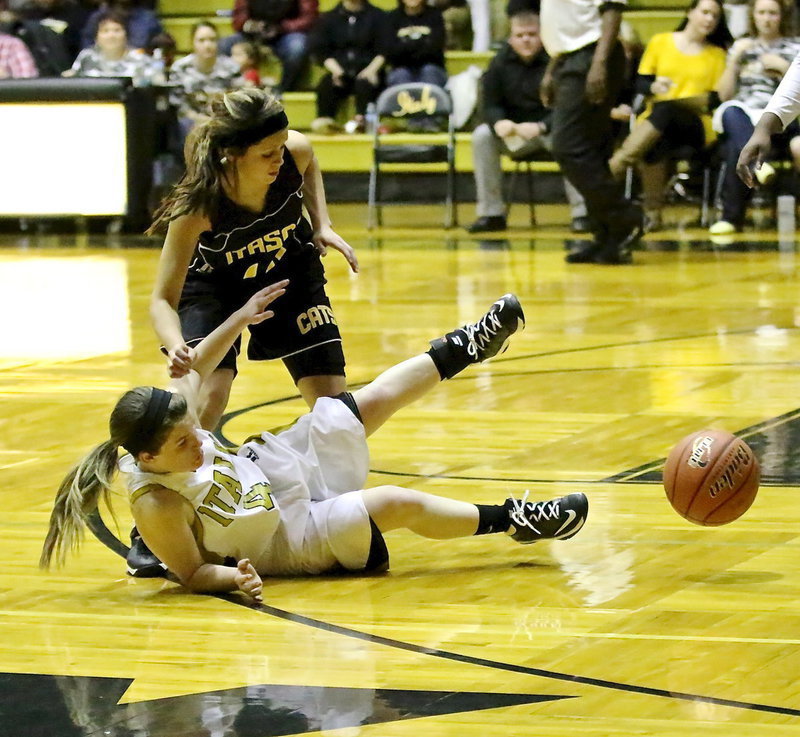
(141, 562)
(487, 224)
(592, 252)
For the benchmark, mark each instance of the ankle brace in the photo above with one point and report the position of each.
(492, 518)
(450, 357)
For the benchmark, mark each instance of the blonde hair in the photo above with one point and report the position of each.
(90, 480)
(200, 187)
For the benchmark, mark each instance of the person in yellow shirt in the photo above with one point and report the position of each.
(678, 75)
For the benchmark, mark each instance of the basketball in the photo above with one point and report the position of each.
(711, 477)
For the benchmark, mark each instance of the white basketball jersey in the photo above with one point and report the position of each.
(237, 514)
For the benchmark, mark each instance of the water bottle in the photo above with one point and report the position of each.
(371, 119)
(786, 215)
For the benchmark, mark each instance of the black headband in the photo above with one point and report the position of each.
(246, 138)
(151, 420)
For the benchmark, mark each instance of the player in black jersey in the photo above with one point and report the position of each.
(235, 223)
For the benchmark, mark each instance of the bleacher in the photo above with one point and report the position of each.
(352, 153)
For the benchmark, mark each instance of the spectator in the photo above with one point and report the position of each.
(414, 45)
(755, 66)
(516, 123)
(245, 54)
(347, 42)
(111, 56)
(48, 48)
(64, 17)
(678, 73)
(141, 24)
(198, 76)
(16, 62)
(284, 26)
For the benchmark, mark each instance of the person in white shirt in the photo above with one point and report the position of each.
(583, 82)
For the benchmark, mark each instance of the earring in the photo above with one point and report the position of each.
(223, 160)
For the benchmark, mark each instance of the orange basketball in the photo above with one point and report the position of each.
(711, 477)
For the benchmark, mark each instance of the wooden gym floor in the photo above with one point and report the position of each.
(641, 625)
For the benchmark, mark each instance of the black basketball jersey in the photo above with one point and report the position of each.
(244, 251)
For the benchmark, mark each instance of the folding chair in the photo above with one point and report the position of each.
(412, 103)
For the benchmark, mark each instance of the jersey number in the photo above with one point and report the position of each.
(226, 494)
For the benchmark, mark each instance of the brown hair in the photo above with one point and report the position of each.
(200, 187)
(787, 18)
(91, 479)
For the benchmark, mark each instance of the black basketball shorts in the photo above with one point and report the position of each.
(303, 332)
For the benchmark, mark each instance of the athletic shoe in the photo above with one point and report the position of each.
(558, 519)
(141, 561)
(489, 336)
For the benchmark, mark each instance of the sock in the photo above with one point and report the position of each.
(450, 357)
(492, 518)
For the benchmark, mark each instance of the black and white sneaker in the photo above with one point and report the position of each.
(141, 561)
(558, 519)
(489, 336)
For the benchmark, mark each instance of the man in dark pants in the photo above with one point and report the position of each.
(583, 82)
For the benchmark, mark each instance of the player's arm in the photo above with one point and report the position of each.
(163, 518)
(212, 349)
(179, 244)
(314, 199)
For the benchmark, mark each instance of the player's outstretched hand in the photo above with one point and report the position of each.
(255, 309)
(754, 153)
(247, 579)
(180, 360)
(326, 238)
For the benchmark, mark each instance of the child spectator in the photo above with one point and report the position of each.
(283, 26)
(245, 55)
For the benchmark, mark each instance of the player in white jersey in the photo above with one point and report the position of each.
(293, 502)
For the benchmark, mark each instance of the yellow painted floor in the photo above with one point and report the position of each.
(643, 624)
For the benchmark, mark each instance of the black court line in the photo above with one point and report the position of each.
(105, 536)
(498, 665)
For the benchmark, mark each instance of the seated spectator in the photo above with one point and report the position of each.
(678, 73)
(516, 122)
(245, 54)
(64, 17)
(347, 42)
(200, 75)
(141, 24)
(283, 26)
(48, 48)
(111, 56)
(16, 62)
(755, 66)
(414, 45)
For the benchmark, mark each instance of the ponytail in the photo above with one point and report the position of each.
(141, 421)
(77, 497)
